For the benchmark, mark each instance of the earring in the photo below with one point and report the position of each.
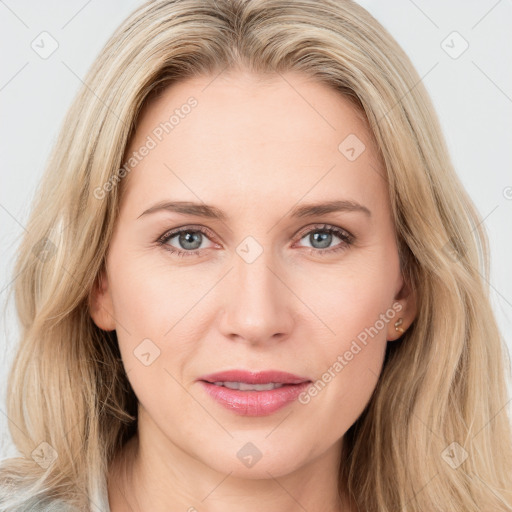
(398, 323)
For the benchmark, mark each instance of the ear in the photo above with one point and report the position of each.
(100, 303)
(405, 307)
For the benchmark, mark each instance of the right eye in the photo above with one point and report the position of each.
(189, 239)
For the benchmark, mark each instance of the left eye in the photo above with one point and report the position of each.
(322, 237)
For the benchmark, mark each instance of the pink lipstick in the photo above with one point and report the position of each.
(253, 393)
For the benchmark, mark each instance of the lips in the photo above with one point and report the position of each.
(253, 393)
(263, 377)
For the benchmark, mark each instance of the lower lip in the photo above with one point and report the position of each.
(254, 403)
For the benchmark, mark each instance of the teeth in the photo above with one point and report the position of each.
(242, 386)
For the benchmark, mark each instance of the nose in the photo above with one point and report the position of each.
(257, 305)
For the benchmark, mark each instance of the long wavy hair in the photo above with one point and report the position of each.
(436, 434)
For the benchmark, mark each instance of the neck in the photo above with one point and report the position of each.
(152, 473)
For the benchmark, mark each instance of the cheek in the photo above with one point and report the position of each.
(156, 310)
(349, 297)
(356, 306)
(149, 299)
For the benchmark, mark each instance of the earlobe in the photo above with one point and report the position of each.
(405, 307)
(399, 327)
(100, 303)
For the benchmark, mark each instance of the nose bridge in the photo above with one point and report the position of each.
(257, 308)
(256, 283)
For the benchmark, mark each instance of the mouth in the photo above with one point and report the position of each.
(253, 381)
(244, 386)
(254, 393)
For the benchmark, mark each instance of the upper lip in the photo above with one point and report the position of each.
(254, 377)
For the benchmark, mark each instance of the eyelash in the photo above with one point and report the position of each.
(346, 237)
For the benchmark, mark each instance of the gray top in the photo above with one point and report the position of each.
(42, 504)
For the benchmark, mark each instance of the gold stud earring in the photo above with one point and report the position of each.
(398, 323)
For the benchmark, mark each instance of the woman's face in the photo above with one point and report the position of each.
(262, 278)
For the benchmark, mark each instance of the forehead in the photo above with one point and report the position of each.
(253, 137)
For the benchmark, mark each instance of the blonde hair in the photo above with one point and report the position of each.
(444, 382)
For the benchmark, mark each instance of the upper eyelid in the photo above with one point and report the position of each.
(188, 227)
(321, 227)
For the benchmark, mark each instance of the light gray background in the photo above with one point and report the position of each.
(472, 95)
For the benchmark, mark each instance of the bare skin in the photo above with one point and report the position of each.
(255, 151)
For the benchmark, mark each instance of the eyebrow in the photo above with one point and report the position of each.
(212, 212)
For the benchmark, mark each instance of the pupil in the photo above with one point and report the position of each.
(322, 237)
(190, 237)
